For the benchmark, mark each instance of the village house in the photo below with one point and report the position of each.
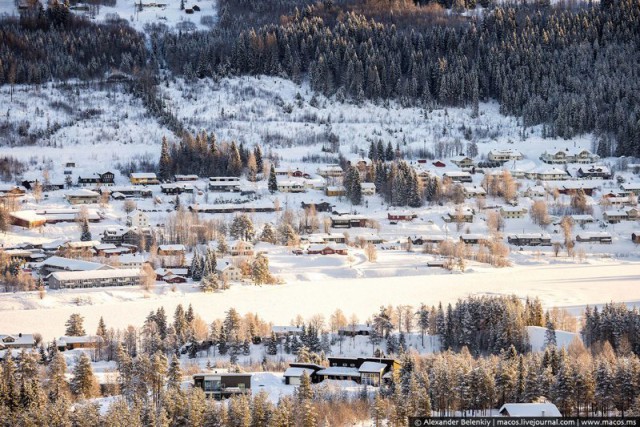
(172, 250)
(471, 191)
(108, 250)
(529, 239)
(368, 371)
(143, 178)
(439, 164)
(221, 384)
(121, 192)
(328, 249)
(348, 221)
(506, 155)
(137, 219)
(283, 331)
(617, 215)
(465, 215)
(573, 187)
(224, 183)
(635, 237)
(176, 188)
(529, 410)
(595, 171)
(620, 201)
(627, 189)
(71, 343)
(227, 272)
(291, 186)
(8, 191)
(552, 174)
(168, 276)
(17, 341)
(82, 197)
(583, 219)
(513, 212)
(462, 161)
(186, 178)
(330, 171)
(355, 329)
(401, 216)
(569, 156)
(426, 239)
(535, 191)
(235, 208)
(96, 179)
(241, 248)
(95, 278)
(594, 237)
(121, 235)
(295, 371)
(335, 191)
(458, 176)
(27, 219)
(57, 263)
(368, 188)
(474, 239)
(319, 207)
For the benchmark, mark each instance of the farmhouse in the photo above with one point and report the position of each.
(504, 155)
(95, 278)
(583, 219)
(573, 187)
(143, 178)
(8, 191)
(614, 216)
(82, 197)
(221, 384)
(241, 248)
(594, 237)
(224, 183)
(530, 239)
(473, 191)
(431, 239)
(552, 174)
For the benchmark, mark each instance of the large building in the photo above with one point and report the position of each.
(95, 278)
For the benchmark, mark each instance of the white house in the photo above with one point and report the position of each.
(227, 271)
(504, 155)
(368, 188)
(137, 219)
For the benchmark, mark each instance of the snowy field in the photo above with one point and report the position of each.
(559, 284)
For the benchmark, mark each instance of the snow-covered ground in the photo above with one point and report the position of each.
(570, 284)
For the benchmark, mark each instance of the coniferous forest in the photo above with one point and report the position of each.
(572, 67)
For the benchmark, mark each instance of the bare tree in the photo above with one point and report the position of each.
(371, 252)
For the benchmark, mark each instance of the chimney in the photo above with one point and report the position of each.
(542, 413)
(20, 335)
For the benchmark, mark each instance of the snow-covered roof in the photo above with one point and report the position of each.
(17, 339)
(530, 236)
(364, 185)
(456, 173)
(339, 371)
(286, 329)
(65, 340)
(96, 274)
(82, 192)
(297, 372)
(77, 244)
(73, 264)
(593, 234)
(372, 367)
(513, 208)
(531, 409)
(143, 175)
(171, 248)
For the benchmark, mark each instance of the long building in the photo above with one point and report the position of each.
(95, 278)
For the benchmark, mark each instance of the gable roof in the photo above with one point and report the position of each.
(530, 410)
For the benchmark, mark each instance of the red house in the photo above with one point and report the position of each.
(401, 216)
(439, 164)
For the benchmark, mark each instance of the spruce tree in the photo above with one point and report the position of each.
(260, 270)
(85, 234)
(273, 181)
(83, 383)
(164, 166)
(75, 326)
